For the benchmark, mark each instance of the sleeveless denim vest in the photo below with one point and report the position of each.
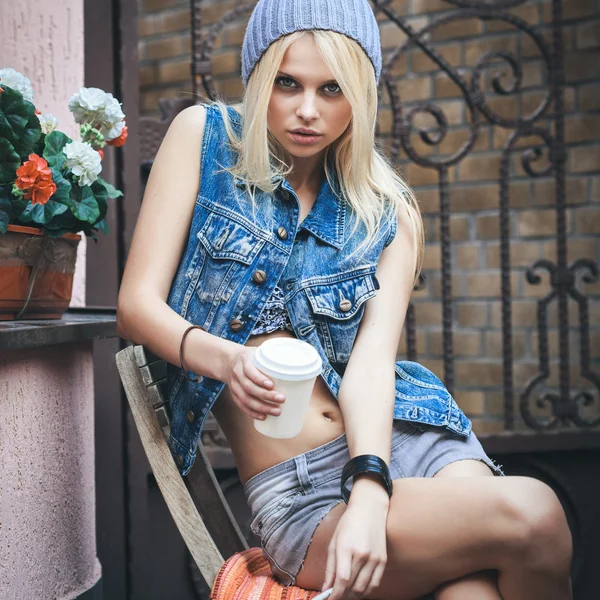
(232, 261)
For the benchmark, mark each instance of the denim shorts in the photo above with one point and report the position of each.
(289, 500)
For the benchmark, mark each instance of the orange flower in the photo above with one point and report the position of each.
(36, 168)
(120, 141)
(41, 192)
(35, 178)
(101, 153)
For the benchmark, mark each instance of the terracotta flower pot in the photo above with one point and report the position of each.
(36, 273)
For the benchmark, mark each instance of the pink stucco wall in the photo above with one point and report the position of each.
(47, 488)
(47, 476)
(43, 39)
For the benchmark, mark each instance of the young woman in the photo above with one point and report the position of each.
(279, 217)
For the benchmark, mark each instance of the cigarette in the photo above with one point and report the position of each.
(324, 594)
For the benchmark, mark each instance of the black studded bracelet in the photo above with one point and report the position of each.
(366, 463)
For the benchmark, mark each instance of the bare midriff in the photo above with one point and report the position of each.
(254, 452)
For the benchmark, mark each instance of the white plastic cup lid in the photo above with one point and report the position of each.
(288, 358)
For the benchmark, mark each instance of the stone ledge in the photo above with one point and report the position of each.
(76, 325)
(511, 442)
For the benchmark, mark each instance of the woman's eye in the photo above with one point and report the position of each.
(280, 81)
(336, 87)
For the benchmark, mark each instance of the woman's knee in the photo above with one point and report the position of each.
(482, 585)
(542, 536)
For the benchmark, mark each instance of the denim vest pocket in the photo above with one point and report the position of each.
(226, 238)
(229, 248)
(338, 306)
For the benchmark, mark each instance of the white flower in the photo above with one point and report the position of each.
(87, 101)
(17, 81)
(84, 161)
(99, 109)
(111, 130)
(48, 123)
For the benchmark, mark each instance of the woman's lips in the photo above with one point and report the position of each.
(302, 138)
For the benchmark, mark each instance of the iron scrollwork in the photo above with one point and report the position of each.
(564, 407)
(564, 404)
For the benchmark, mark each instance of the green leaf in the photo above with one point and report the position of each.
(9, 161)
(26, 144)
(5, 192)
(64, 222)
(38, 147)
(14, 114)
(55, 233)
(63, 188)
(113, 192)
(18, 205)
(42, 213)
(85, 207)
(5, 213)
(101, 194)
(53, 149)
(103, 226)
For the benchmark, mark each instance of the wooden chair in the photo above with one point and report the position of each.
(195, 501)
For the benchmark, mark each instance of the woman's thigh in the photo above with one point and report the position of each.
(465, 468)
(438, 529)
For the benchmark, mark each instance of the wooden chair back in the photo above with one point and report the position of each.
(195, 501)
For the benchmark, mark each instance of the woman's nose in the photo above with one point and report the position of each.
(308, 108)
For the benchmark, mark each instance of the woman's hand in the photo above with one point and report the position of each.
(357, 553)
(250, 388)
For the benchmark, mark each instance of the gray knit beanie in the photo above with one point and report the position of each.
(272, 19)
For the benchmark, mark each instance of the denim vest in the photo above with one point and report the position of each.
(232, 261)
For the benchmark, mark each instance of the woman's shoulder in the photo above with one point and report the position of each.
(205, 121)
(214, 110)
(191, 121)
(212, 115)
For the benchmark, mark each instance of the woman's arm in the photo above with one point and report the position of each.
(161, 233)
(367, 391)
(356, 556)
(159, 239)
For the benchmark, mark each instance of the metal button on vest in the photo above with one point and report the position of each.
(180, 460)
(345, 305)
(282, 233)
(235, 324)
(259, 277)
(191, 417)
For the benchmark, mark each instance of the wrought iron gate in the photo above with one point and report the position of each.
(544, 126)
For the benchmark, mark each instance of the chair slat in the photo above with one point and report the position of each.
(153, 372)
(143, 356)
(212, 506)
(164, 418)
(157, 393)
(210, 424)
(177, 497)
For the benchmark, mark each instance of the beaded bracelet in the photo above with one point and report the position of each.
(366, 463)
(195, 380)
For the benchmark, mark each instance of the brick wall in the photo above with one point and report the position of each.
(474, 181)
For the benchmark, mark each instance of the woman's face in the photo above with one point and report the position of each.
(305, 95)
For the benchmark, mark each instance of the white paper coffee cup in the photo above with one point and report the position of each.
(294, 366)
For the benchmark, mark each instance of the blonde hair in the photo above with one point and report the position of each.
(368, 183)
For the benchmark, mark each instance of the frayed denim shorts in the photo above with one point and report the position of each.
(289, 500)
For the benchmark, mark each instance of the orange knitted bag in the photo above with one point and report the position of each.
(247, 576)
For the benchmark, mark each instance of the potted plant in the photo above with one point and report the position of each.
(50, 192)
